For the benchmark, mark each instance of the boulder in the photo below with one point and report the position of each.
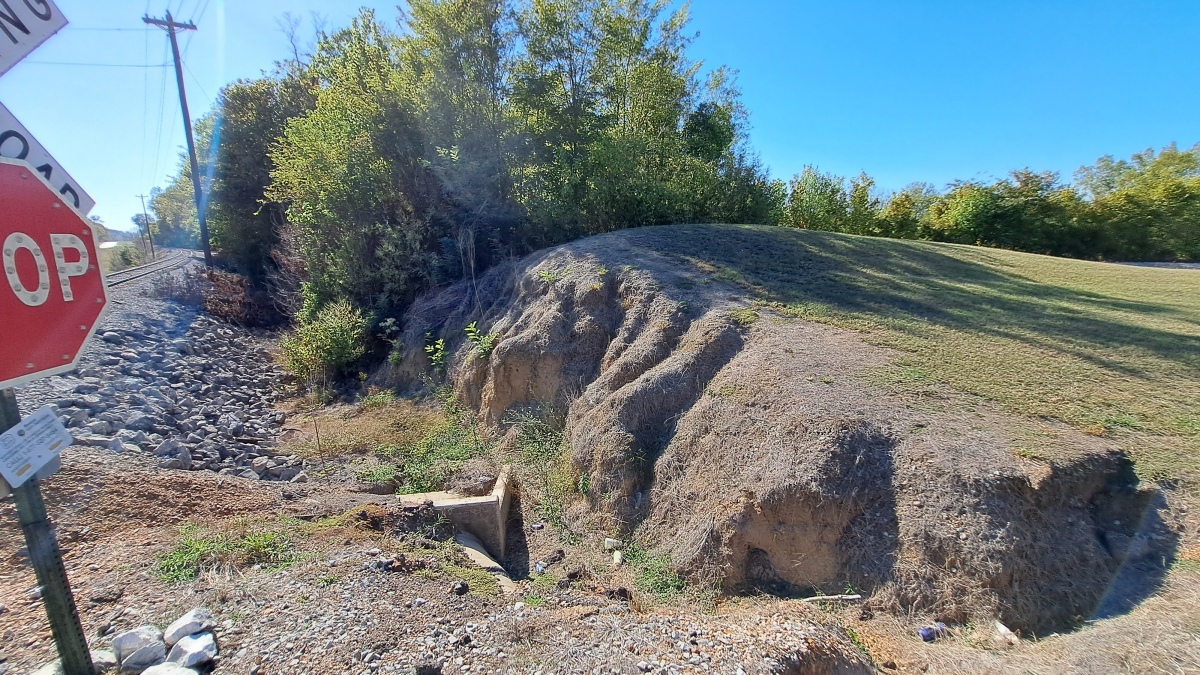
(194, 650)
(103, 659)
(52, 668)
(150, 655)
(168, 448)
(131, 641)
(197, 620)
(140, 422)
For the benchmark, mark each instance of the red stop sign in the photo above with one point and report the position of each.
(52, 293)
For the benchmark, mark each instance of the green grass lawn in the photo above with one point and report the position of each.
(1112, 350)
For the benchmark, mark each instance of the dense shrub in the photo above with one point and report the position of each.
(324, 346)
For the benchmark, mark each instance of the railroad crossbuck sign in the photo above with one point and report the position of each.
(53, 291)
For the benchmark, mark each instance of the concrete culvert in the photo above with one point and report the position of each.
(753, 449)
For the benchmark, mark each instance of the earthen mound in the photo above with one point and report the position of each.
(754, 450)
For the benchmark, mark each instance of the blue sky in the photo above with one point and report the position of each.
(921, 90)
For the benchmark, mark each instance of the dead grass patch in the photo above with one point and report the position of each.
(349, 430)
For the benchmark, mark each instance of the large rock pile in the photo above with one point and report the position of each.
(198, 402)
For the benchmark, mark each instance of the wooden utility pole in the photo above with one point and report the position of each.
(171, 27)
(146, 224)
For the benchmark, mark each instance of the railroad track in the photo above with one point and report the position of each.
(175, 258)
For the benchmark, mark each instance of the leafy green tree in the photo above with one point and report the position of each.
(817, 201)
(244, 224)
(353, 174)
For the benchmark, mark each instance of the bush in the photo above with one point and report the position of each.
(322, 348)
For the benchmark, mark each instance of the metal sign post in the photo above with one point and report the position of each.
(47, 561)
(36, 238)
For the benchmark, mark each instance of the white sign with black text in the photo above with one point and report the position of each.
(35, 442)
(17, 143)
(25, 24)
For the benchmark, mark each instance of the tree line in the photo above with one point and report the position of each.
(395, 156)
(1146, 208)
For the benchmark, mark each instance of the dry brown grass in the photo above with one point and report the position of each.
(354, 429)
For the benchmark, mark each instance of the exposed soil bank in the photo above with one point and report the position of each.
(755, 451)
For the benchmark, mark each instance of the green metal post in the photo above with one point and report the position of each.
(47, 562)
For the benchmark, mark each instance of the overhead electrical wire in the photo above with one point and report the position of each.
(145, 107)
(162, 106)
(99, 65)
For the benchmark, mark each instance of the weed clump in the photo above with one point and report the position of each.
(540, 444)
(654, 574)
(427, 464)
(250, 543)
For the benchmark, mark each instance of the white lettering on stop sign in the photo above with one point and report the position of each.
(59, 243)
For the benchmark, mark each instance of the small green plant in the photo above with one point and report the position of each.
(197, 550)
(484, 344)
(327, 580)
(389, 332)
(549, 277)
(436, 349)
(1122, 421)
(325, 346)
(1029, 453)
(378, 398)
(858, 642)
(533, 600)
(744, 317)
(378, 473)
(602, 271)
(654, 573)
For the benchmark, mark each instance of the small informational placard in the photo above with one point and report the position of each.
(31, 445)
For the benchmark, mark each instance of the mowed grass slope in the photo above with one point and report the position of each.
(1112, 350)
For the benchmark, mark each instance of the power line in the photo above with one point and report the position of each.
(162, 108)
(196, 81)
(203, 9)
(108, 30)
(145, 105)
(99, 65)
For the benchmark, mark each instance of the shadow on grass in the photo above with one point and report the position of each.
(914, 283)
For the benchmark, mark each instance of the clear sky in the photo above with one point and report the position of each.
(922, 90)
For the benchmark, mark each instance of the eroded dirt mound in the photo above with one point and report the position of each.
(754, 449)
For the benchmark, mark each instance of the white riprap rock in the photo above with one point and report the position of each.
(196, 621)
(194, 650)
(131, 641)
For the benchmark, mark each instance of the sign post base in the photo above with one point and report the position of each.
(47, 562)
